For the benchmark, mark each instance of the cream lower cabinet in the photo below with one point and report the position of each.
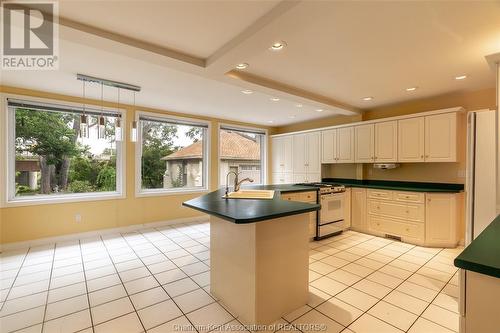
(441, 219)
(358, 209)
(428, 219)
(309, 197)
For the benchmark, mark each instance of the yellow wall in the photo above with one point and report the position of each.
(423, 172)
(31, 222)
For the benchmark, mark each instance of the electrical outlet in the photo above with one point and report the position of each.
(78, 218)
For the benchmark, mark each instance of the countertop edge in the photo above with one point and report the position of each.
(477, 267)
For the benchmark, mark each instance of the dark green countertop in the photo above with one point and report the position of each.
(397, 185)
(483, 253)
(249, 210)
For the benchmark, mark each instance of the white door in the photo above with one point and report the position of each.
(299, 153)
(313, 149)
(287, 153)
(441, 138)
(386, 142)
(328, 140)
(345, 145)
(364, 137)
(411, 140)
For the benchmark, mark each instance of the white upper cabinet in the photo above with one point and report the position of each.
(441, 138)
(306, 153)
(411, 140)
(282, 154)
(329, 146)
(386, 142)
(313, 146)
(364, 138)
(345, 145)
(299, 153)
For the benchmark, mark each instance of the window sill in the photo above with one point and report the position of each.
(60, 199)
(161, 192)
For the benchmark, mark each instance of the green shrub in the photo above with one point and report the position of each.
(80, 186)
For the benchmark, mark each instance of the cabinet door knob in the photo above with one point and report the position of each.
(421, 156)
(407, 212)
(426, 156)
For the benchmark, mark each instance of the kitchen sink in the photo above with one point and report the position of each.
(251, 194)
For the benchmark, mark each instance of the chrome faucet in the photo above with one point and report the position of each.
(237, 182)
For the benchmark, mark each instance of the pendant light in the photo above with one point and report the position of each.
(118, 123)
(84, 121)
(101, 121)
(133, 127)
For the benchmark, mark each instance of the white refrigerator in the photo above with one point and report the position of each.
(480, 185)
(481, 172)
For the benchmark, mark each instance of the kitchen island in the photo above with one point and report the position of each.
(258, 252)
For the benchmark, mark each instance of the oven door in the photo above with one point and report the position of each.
(332, 208)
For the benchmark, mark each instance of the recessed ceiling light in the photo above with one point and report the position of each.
(367, 98)
(270, 121)
(319, 110)
(411, 88)
(275, 99)
(243, 65)
(247, 91)
(460, 77)
(278, 46)
(291, 117)
(298, 105)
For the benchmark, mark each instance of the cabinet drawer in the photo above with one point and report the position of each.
(409, 196)
(396, 227)
(307, 196)
(379, 194)
(291, 196)
(405, 211)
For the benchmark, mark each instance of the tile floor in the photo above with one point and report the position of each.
(155, 280)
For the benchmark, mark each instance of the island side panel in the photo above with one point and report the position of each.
(282, 247)
(232, 261)
(260, 270)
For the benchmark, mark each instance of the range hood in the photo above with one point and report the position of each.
(385, 166)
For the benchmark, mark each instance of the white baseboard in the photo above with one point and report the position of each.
(100, 232)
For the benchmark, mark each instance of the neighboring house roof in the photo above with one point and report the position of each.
(234, 146)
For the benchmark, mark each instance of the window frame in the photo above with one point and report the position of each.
(263, 153)
(8, 160)
(139, 191)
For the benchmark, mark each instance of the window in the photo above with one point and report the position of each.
(242, 151)
(49, 158)
(173, 154)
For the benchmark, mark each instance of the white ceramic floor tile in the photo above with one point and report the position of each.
(126, 324)
(68, 324)
(212, 314)
(316, 297)
(423, 325)
(173, 326)
(23, 303)
(180, 287)
(149, 297)
(372, 288)
(418, 291)
(159, 313)
(162, 266)
(110, 310)
(369, 324)
(407, 302)
(393, 315)
(344, 277)
(291, 316)
(170, 276)
(103, 282)
(357, 299)
(321, 268)
(442, 317)
(65, 307)
(328, 285)
(305, 323)
(22, 319)
(195, 268)
(358, 269)
(339, 311)
(385, 279)
(107, 295)
(448, 302)
(141, 284)
(193, 300)
(67, 292)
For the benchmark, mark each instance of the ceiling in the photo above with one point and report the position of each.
(183, 54)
